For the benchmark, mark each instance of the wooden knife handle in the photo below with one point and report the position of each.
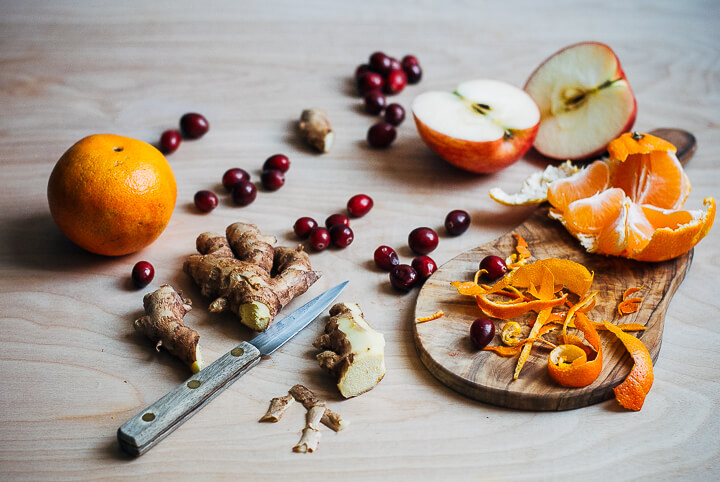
(150, 426)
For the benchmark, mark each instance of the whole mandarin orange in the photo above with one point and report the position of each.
(112, 195)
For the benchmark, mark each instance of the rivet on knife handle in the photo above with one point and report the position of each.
(157, 421)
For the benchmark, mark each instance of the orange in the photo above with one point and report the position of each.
(112, 195)
(632, 391)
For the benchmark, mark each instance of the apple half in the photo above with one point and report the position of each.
(585, 101)
(482, 127)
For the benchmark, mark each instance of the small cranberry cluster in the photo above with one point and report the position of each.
(192, 126)
(337, 230)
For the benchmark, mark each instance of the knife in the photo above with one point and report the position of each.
(150, 426)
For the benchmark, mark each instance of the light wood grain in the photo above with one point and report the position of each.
(73, 370)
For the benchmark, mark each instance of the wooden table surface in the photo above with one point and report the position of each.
(71, 366)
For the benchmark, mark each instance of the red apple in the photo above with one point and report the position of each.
(482, 127)
(585, 101)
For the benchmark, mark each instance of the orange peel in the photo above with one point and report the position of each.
(632, 391)
(579, 372)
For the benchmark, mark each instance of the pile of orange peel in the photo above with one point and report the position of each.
(545, 287)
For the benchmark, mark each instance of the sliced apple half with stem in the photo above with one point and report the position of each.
(585, 101)
(482, 127)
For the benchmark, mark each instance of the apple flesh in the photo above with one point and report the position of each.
(482, 127)
(585, 101)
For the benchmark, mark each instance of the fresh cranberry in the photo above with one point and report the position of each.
(422, 240)
(142, 274)
(396, 82)
(272, 179)
(457, 222)
(370, 81)
(380, 63)
(494, 265)
(194, 126)
(277, 161)
(374, 102)
(424, 265)
(409, 60)
(170, 141)
(385, 258)
(394, 114)
(413, 73)
(234, 176)
(205, 201)
(303, 226)
(360, 70)
(342, 236)
(359, 205)
(403, 277)
(482, 331)
(395, 64)
(334, 219)
(244, 193)
(381, 135)
(319, 239)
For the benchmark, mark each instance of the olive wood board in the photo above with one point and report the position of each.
(444, 344)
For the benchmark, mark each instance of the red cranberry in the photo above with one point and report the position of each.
(170, 141)
(374, 102)
(395, 64)
(396, 82)
(206, 201)
(234, 176)
(194, 126)
(482, 331)
(380, 63)
(359, 205)
(303, 226)
(413, 73)
(277, 161)
(385, 258)
(409, 60)
(142, 274)
(381, 135)
(244, 193)
(403, 277)
(394, 114)
(457, 222)
(370, 81)
(272, 179)
(494, 265)
(319, 239)
(361, 69)
(422, 240)
(341, 235)
(424, 265)
(334, 219)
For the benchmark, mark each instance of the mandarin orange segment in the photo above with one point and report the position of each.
(631, 393)
(589, 215)
(637, 143)
(587, 182)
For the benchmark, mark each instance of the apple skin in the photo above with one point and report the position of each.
(478, 157)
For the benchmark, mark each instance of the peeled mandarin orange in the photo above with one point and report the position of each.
(585, 183)
(112, 195)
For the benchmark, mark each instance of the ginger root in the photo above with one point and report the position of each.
(163, 323)
(315, 129)
(245, 273)
(353, 352)
(278, 407)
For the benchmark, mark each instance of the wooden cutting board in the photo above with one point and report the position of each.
(444, 344)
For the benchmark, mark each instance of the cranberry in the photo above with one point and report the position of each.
(396, 82)
(303, 226)
(413, 73)
(334, 219)
(494, 265)
(170, 141)
(380, 63)
(395, 64)
(409, 60)
(385, 258)
(277, 161)
(457, 222)
(272, 179)
(422, 240)
(359, 205)
(360, 70)
(394, 114)
(142, 274)
(341, 235)
(244, 193)
(370, 81)
(194, 126)
(374, 102)
(381, 135)
(403, 277)
(319, 239)
(482, 331)
(234, 176)
(206, 201)
(424, 265)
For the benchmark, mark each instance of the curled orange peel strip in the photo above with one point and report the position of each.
(632, 391)
(579, 372)
(506, 311)
(508, 351)
(511, 332)
(629, 305)
(578, 307)
(434, 316)
(514, 261)
(540, 322)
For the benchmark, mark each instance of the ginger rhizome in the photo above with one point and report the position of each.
(352, 351)
(165, 309)
(243, 272)
(315, 129)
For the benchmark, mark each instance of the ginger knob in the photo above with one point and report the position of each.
(315, 129)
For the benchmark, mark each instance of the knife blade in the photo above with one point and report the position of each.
(160, 419)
